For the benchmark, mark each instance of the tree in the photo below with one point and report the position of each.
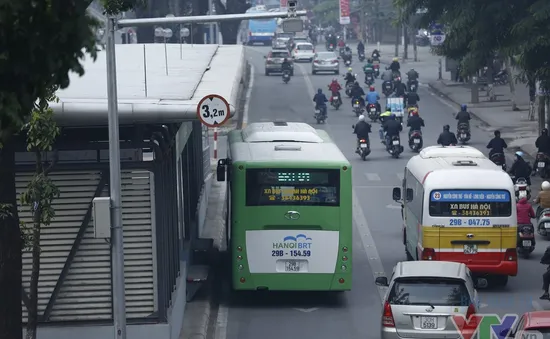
(230, 29)
(327, 12)
(41, 191)
(42, 41)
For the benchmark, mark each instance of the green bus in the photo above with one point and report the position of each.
(289, 209)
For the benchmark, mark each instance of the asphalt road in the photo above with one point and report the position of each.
(377, 222)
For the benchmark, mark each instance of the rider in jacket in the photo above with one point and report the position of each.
(525, 213)
(360, 48)
(411, 99)
(286, 65)
(412, 75)
(373, 97)
(497, 144)
(543, 144)
(395, 66)
(521, 168)
(392, 128)
(447, 138)
(385, 116)
(362, 130)
(335, 88)
(463, 116)
(368, 69)
(320, 101)
(357, 93)
(543, 198)
(415, 122)
(349, 77)
(376, 55)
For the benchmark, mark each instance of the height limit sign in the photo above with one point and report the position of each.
(213, 110)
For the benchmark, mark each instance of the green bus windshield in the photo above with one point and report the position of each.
(284, 186)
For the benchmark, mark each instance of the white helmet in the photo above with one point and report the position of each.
(362, 118)
(545, 186)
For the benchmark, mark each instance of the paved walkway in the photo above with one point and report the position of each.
(519, 132)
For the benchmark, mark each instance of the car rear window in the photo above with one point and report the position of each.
(279, 54)
(304, 47)
(325, 56)
(541, 332)
(429, 291)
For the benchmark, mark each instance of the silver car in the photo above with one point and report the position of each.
(280, 43)
(422, 298)
(325, 62)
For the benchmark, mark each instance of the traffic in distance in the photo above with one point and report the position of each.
(290, 200)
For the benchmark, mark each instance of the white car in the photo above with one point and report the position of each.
(303, 51)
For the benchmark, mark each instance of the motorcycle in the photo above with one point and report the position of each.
(542, 165)
(321, 114)
(501, 78)
(522, 189)
(376, 70)
(286, 76)
(463, 133)
(373, 112)
(415, 141)
(347, 62)
(543, 222)
(395, 148)
(396, 77)
(387, 88)
(336, 102)
(526, 240)
(412, 85)
(364, 149)
(361, 56)
(357, 109)
(341, 51)
(330, 48)
(349, 86)
(369, 79)
(499, 160)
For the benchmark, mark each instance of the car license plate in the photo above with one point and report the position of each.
(527, 243)
(429, 323)
(373, 110)
(463, 135)
(547, 225)
(334, 98)
(540, 164)
(363, 145)
(470, 249)
(396, 142)
(292, 266)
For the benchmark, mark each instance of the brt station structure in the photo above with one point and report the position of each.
(165, 183)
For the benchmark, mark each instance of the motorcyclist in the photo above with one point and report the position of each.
(341, 44)
(525, 213)
(375, 55)
(347, 52)
(385, 116)
(545, 260)
(362, 130)
(360, 48)
(463, 116)
(497, 144)
(543, 198)
(543, 144)
(373, 97)
(400, 89)
(320, 101)
(447, 138)
(415, 122)
(349, 77)
(335, 88)
(368, 69)
(395, 66)
(412, 75)
(286, 65)
(357, 93)
(412, 99)
(392, 128)
(520, 168)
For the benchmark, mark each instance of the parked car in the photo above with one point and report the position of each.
(531, 325)
(432, 291)
(303, 51)
(274, 60)
(325, 62)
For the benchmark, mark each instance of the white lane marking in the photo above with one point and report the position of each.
(537, 306)
(377, 269)
(248, 94)
(221, 323)
(373, 176)
(307, 310)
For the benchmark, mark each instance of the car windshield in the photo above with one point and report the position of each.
(279, 54)
(304, 47)
(429, 291)
(325, 56)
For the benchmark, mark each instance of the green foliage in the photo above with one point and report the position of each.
(327, 11)
(114, 7)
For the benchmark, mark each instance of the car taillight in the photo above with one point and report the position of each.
(511, 255)
(547, 215)
(471, 311)
(316, 61)
(334, 61)
(428, 254)
(387, 316)
(269, 61)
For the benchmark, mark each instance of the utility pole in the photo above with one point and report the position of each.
(405, 41)
(415, 47)
(397, 35)
(211, 25)
(363, 35)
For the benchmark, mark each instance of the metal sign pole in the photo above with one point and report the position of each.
(117, 240)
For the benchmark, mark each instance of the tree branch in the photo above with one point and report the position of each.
(25, 298)
(52, 163)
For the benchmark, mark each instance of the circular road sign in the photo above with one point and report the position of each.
(213, 110)
(438, 38)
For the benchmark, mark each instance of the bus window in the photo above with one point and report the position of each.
(308, 187)
(470, 203)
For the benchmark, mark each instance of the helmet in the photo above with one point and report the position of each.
(463, 107)
(544, 131)
(497, 133)
(412, 70)
(361, 118)
(446, 128)
(412, 108)
(371, 88)
(545, 186)
(395, 59)
(319, 90)
(350, 69)
(519, 154)
(334, 80)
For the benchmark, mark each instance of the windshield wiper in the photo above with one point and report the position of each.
(424, 303)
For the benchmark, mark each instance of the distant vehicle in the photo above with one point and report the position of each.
(534, 324)
(422, 298)
(259, 31)
(303, 51)
(325, 62)
(274, 60)
(280, 43)
(293, 176)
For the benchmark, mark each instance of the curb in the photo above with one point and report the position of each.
(196, 320)
(477, 117)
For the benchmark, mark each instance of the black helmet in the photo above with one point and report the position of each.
(497, 133)
(446, 128)
(319, 91)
